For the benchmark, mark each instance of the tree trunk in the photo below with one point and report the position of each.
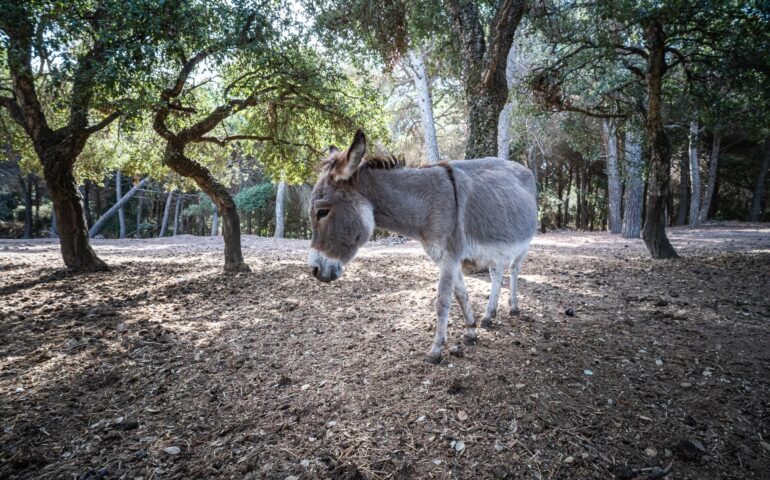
(634, 194)
(85, 192)
(280, 200)
(483, 69)
(177, 211)
(116, 208)
(166, 211)
(705, 209)
(121, 210)
(425, 101)
(759, 186)
(26, 194)
(614, 186)
(684, 189)
(139, 206)
(694, 176)
(654, 232)
(215, 222)
(504, 124)
(70, 220)
(231, 224)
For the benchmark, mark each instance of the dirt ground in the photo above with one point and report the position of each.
(166, 368)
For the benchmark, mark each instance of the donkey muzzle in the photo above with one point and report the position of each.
(323, 268)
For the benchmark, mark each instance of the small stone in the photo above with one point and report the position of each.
(658, 362)
(122, 327)
(765, 445)
(462, 416)
(588, 372)
(650, 452)
(569, 460)
(685, 384)
(305, 386)
(690, 450)
(459, 446)
(305, 463)
(520, 385)
(499, 447)
(331, 423)
(533, 351)
(569, 312)
(126, 424)
(291, 477)
(173, 450)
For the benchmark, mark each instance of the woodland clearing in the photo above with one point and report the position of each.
(164, 367)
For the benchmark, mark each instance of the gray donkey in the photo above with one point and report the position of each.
(481, 212)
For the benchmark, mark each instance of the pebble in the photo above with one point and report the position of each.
(122, 327)
(305, 386)
(569, 312)
(569, 460)
(650, 452)
(685, 384)
(658, 362)
(173, 450)
(533, 351)
(305, 463)
(765, 445)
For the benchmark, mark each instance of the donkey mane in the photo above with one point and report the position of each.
(381, 159)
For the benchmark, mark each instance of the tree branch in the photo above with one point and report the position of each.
(105, 122)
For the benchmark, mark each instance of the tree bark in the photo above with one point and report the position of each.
(614, 185)
(654, 232)
(484, 64)
(504, 124)
(684, 189)
(139, 206)
(425, 101)
(634, 194)
(759, 186)
(177, 211)
(712, 176)
(85, 192)
(280, 201)
(215, 222)
(166, 211)
(694, 176)
(175, 158)
(121, 210)
(116, 208)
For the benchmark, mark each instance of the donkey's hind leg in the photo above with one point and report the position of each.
(515, 270)
(496, 274)
(461, 295)
(446, 279)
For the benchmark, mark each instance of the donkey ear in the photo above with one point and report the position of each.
(345, 169)
(333, 150)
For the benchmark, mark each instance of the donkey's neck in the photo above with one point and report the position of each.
(402, 199)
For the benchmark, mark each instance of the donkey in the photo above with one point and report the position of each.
(480, 211)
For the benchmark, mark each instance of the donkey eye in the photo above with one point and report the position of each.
(321, 213)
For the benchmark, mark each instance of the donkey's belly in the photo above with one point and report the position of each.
(484, 255)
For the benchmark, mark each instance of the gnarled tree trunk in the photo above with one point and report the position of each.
(654, 232)
(215, 222)
(175, 159)
(484, 64)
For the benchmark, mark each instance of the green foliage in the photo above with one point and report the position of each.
(253, 199)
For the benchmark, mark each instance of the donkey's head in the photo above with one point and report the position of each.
(343, 219)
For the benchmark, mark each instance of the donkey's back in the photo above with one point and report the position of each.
(498, 209)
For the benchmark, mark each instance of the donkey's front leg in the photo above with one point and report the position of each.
(447, 274)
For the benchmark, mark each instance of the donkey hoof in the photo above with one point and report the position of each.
(486, 323)
(469, 340)
(433, 360)
(515, 311)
